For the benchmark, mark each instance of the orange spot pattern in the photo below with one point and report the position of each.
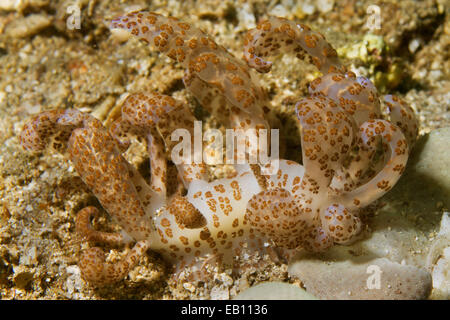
(311, 205)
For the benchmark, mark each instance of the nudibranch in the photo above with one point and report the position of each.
(220, 222)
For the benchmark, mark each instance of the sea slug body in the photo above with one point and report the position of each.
(311, 206)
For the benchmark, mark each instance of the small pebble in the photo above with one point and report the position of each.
(413, 45)
(189, 287)
(28, 26)
(22, 277)
(325, 6)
